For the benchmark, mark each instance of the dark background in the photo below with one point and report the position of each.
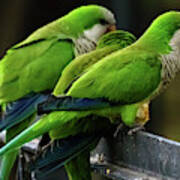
(19, 18)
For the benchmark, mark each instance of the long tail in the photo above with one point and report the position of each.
(79, 167)
(7, 164)
(61, 152)
(44, 125)
(68, 103)
(9, 159)
(19, 110)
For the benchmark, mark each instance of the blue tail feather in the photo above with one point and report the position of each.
(74, 104)
(20, 110)
(62, 152)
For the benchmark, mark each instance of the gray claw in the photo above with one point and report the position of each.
(119, 127)
(134, 130)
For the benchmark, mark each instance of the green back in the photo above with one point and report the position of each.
(133, 74)
(33, 68)
(128, 76)
(108, 44)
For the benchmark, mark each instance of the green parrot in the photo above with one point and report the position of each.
(116, 86)
(34, 66)
(108, 44)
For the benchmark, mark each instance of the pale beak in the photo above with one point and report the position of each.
(111, 28)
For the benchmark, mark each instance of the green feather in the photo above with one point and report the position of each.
(35, 64)
(113, 43)
(9, 159)
(130, 77)
(158, 36)
(22, 77)
(7, 163)
(127, 77)
(138, 85)
(108, 44)
(46, 52)
(42, 125)
(79, 168)
(118, 38)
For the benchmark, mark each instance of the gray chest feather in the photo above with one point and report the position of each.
(83, 45)
(170, 64)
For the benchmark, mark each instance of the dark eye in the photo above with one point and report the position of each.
(103, 22)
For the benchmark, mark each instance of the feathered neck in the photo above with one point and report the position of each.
(159, 35)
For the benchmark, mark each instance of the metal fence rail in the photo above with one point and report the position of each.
(143, 156)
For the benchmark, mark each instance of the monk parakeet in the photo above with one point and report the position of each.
(61, 152)
(35, 65)
(117, 85)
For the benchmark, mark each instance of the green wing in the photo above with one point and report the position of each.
(78, 66)
(53, 30)
(21, 68)
(127, 76)
(107, 44)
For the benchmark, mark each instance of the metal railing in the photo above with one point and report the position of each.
(141, 156)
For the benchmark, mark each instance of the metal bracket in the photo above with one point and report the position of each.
(142, 156)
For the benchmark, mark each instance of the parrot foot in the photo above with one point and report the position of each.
(42, 150)
(136, 129)
(46, 147)
(119, 127)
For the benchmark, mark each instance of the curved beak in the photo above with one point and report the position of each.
(111, 28)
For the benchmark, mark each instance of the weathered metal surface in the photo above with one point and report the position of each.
(142, 156)
(154, 156)
(121, 173)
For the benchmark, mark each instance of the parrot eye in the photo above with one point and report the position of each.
(103, 22)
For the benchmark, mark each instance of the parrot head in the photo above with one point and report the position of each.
(118, 37)
(163, 33)
(91, 21)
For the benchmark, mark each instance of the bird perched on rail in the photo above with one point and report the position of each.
(117, 85)
(63, 151)
(35, 64)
